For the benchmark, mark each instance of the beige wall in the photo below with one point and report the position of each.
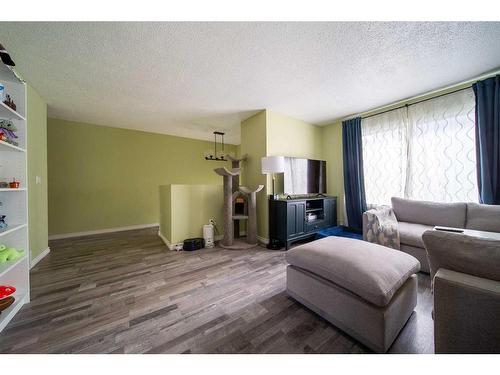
(102, 177)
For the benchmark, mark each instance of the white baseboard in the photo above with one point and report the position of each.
(101, 231)
(178, 246)
(171, 246)
(39, 257)
(263, 240)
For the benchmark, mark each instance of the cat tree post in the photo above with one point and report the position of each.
(235, 163)
(252, 213)
(228, 175)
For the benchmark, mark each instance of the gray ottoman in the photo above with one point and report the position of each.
(367, 290)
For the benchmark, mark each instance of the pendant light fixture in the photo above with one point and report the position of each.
(214, 157)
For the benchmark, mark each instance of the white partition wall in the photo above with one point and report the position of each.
(14, 201)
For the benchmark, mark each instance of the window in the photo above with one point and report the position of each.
(384, 156)
(425, 151)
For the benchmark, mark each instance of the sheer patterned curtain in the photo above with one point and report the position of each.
(425, 151)
(384, 156)
(442, 156)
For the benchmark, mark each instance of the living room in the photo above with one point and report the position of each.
(250, 187)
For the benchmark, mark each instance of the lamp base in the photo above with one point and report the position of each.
(274, 245)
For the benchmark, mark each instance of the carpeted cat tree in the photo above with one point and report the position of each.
(228, 241)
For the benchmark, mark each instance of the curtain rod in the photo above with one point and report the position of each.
(420, 101)
(399, 104)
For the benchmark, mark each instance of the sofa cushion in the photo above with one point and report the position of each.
(483, 217)
(462, 253)
(373, 272)
(430, 213)
(411, 233)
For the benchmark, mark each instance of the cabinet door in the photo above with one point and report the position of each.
(330, 212)
(301, 218)
(296, 213)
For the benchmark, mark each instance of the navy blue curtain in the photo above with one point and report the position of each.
(354, 183)
(487, 94)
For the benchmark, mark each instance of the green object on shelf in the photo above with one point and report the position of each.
(9, 254)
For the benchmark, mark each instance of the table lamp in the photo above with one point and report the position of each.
(272, 165)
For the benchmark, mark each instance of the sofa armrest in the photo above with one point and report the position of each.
(466, 313)
(381, 227)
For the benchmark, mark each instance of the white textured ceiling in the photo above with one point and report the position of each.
(189, 79)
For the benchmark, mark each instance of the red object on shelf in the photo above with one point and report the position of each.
(6, 291)
(14, 184)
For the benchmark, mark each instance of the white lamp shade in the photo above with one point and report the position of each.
(273, 164)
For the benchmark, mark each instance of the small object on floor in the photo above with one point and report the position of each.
(274, 244)
(193, 244)
(208, 236)
(6, 302)
(6, 290)
(339, 231)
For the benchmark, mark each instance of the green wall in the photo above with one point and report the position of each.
(165, 201)
(332, 153)
(102, 177)
(184, 209)
(253, 143)
(37, 166)
(288, 136)
(270, 133)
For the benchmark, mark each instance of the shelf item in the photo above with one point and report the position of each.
(16, 189)
(4, 146)
(240, 217)
(314, 209)
(8, 74)
(8, 314)
(8, 113)
(6, 291)
(11, 228)
(8, 266)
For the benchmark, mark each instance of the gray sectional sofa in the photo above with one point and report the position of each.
(415, 217)
(466, 284)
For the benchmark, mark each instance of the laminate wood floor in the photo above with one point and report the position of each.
(126, 293)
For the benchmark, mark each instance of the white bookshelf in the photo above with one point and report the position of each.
(14, 202)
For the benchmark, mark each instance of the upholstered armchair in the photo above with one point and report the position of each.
(465, 271)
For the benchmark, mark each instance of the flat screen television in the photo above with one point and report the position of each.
(304, 176)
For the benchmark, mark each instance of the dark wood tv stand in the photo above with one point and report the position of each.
(291, 220)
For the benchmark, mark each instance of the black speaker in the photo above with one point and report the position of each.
(193, 244)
